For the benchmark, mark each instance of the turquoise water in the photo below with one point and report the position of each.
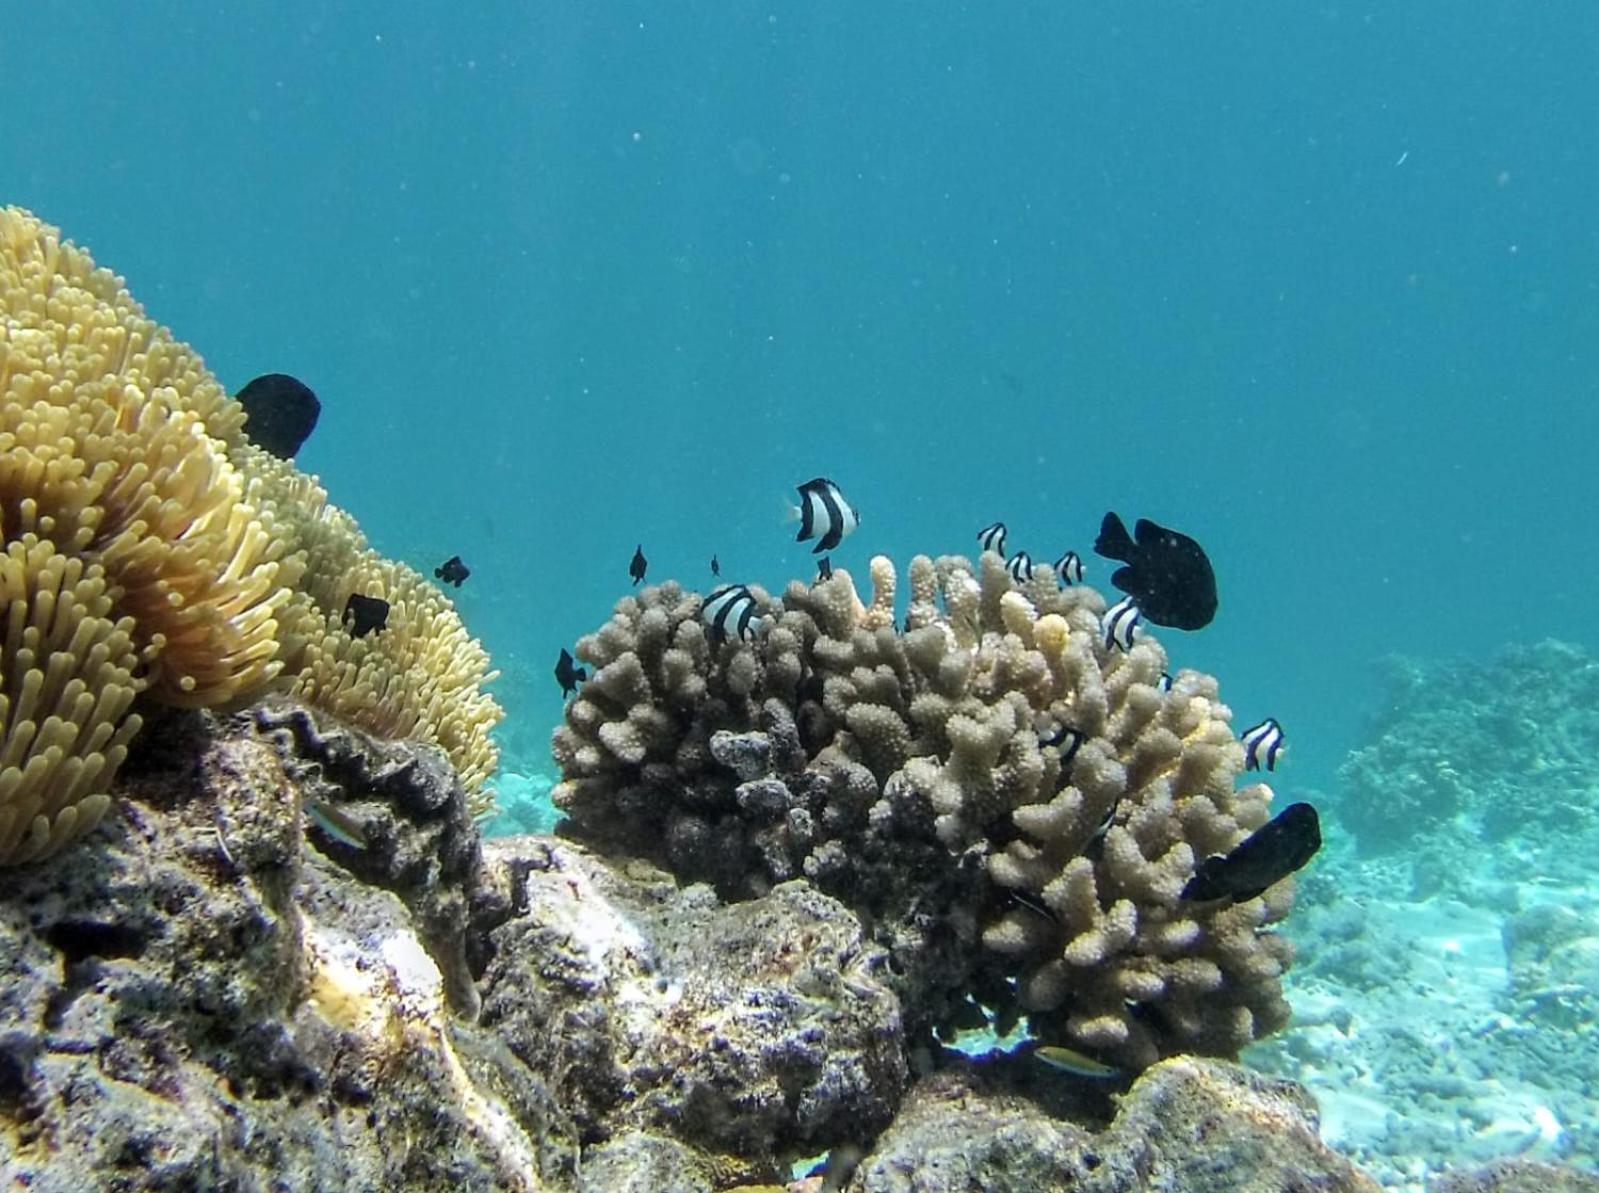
(1315, 285)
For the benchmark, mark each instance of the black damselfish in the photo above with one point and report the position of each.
(637, 566)
(280, 413)
(453, 571)
(1168, 574)
(1268, 855)
(365, 615)
(568, 674)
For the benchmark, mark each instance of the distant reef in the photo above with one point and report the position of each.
(1489, 761)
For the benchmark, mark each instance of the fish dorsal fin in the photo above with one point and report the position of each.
(1113, 541)
(1147, 533)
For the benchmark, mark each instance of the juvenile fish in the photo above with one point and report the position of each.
(824, 514)
(568, 674)
(992, 538)
(337, 823)
(1120, 623)
(1263, 743)
(1069, 568)
(1079, 1064)
(638, 564)
(452, 571)
(731, 610)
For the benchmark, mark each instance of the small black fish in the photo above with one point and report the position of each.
(1262, 744)
(824, 569)
(364, 615)
(452, 571)
(992, 538)
(1268, 855)
(280, 413)
(731, 607)
(1167, 573)
(825, 514)
(1069, 569)
(1164, 682)
(638, 564)
(1120, 623)
(568, 674)
(716, 566)
(1020, 567)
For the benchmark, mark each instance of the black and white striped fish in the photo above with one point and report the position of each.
(992, 538)
(1065, 739)
(731, 610)
(1020, 567)
(1120, 623)
(1164, 682)
(1069, 568)
(824, 514)
(1262, 745)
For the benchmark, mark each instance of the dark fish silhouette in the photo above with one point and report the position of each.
(636, 568)
(1167, 573)
(364, 615)
(825, 514)
(568, 674)
(824, 568)
(453, 571)
(1268, 855)
(279, 413)
(716, 566)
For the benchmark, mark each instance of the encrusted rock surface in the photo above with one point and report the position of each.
(1188, 1124)
(210, 992)
(746, 1028)
(196, 997)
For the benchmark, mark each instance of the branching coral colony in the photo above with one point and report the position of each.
(1012, 808)
(150, 548)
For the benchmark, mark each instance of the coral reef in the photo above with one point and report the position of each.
(152, 550)
(224, 995)
(1496, 749)
(1013, 807)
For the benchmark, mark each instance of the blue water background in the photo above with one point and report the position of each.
(1316, 285)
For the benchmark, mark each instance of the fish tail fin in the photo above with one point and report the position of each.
(1114, 542)
(791, 513)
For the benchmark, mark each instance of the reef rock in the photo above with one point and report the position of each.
(201, 995)
(748, 1028)
(1200, 1126)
